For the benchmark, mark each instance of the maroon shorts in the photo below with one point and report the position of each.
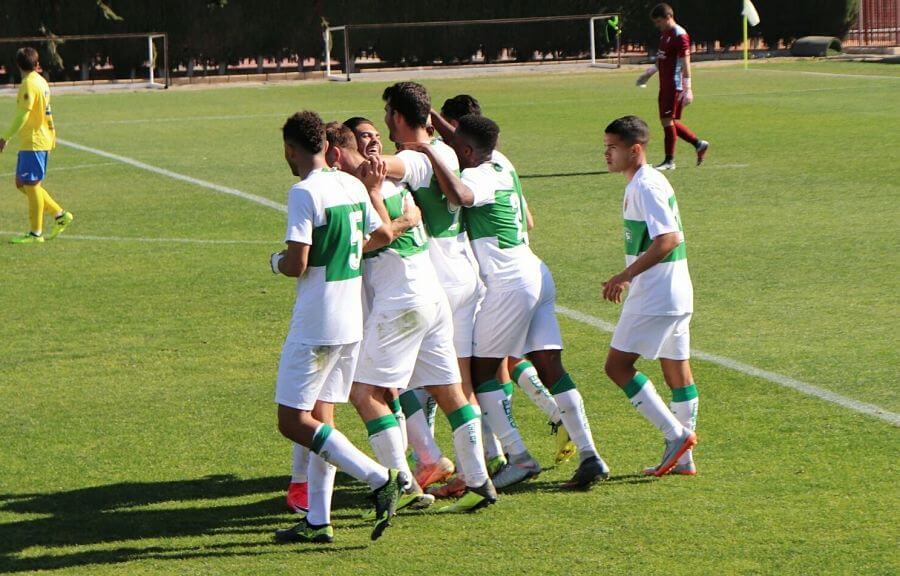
(670, 104)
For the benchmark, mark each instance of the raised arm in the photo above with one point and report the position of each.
(452, 187)
(444, 128)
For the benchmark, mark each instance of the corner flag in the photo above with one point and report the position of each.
(751, 16)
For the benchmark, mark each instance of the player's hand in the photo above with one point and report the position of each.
(614, 288)
(372, 172)
(687, 97)
(2, 144)
(274, 259)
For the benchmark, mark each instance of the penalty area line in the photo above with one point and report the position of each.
(775, 378)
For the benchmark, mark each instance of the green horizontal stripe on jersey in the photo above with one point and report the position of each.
(503, 219)
(336, 246)
(441, 219)
(411, 242)
(637, 241)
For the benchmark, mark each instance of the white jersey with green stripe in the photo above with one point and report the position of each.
(330, 211)
(649, 209)
(400, 275)
(448, 245)
(497, 226)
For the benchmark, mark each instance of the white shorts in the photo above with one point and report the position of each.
(463, 305)
(516, 322)
(308, 373)
(654, 336)
(412, 347)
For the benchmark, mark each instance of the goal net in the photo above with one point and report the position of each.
(593, 38)
(92, 59)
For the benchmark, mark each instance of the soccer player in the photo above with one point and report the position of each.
(656, 316)
(517, 317)
(329, 216)
(33, 123)
(409, 340)
(673, 61)
(407, 108)
(514, 369)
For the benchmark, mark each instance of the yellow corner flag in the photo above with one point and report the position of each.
(751, 16)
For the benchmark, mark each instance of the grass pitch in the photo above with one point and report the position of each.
(138, 351)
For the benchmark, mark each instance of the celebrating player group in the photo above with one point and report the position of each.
(417, 290)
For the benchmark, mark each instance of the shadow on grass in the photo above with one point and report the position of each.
(130, 512)
(556, 485)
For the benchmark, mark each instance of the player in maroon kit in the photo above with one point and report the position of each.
(673, 62)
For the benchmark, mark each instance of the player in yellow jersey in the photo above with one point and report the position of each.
(33, 123)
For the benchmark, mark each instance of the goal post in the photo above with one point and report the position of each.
(347, 59)
(148, 39)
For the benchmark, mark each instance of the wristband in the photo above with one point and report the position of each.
(273, 262)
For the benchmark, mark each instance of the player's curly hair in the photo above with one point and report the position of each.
(411, 100)
(631, 129)
(306, 130)
(460, 105)
(480, 131)
(340, 135)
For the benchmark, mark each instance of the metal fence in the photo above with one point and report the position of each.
(877, 24)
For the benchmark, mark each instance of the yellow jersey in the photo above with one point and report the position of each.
(38, 132)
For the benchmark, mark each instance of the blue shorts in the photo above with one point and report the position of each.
(32, 165)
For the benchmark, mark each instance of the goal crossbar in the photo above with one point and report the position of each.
(150, 36)
(345, 28)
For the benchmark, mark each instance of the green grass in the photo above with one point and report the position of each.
(136, 378)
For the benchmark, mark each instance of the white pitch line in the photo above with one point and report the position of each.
(175, 175)
(76, 167)
(780, 379)
(831, 74)
(143, 239)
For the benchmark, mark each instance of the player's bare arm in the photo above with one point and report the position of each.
(452, 187)
(396, 170)
(661, 247)
(444, 128)
(293, 260)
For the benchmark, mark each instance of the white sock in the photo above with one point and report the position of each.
(643, 396)
(401, 422)
(686, 412)
(492, 446)
(467, 442)
(418, 433)
(527, 377)
(321, 487)
(428, 404)
(574, 418)
(334, 448)
(497, 409)
(388, 446)
(300, 463)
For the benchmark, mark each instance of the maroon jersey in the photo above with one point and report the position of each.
(674, 45)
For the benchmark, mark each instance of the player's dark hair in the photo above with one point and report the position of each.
(411, 100)
(460, 105)
(630, 129)
(661, 11)
(306, 130)
(352, 123)
(340, 135)
(27, 58)
(480, 131)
